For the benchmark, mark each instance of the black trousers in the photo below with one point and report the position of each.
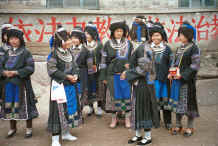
(167, 118)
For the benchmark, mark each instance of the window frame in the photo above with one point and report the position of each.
(202, 4)
(180, 3)
(81, 6)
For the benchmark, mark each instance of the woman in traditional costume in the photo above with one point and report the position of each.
(117, 52)
(18, 99)
(95, 47)
(185, 65)
(64, 111)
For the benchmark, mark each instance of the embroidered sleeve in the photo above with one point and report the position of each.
(90, 62)
(191, 71)
(29, 67)
(103, 64)
(139, 66)
(137, 72)
(53, 71)
(195, 62)
(144, 65)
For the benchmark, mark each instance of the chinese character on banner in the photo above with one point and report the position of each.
(23, 27)
(103, 27)
(214, 26)
(42, 32)
(75, 23)
(53, 25)
(202, 28)
(173, 29)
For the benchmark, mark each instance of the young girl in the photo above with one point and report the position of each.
(84, 62)
(63, 70)
(183, 92)
(18, 97)
(162, 55)
(117, 52)
(94, 46)
(144, 111)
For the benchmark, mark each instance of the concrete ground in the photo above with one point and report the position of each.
(95, 131)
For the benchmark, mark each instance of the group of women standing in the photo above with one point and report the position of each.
(117, 77)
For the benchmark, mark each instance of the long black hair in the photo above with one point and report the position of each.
(59, 37)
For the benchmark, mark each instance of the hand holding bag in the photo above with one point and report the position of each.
(57, 92)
